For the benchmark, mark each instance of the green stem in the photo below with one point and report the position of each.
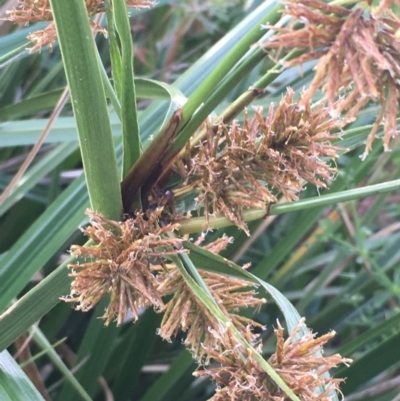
(89, 104)
(198, 224)
(130, 124)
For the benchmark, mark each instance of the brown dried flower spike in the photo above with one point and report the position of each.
(298, 361)
(40, 10)
(359, 53)
(119, 264)
(247, 167)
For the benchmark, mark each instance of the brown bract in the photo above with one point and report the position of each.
(40, 10)
(119, 264)
(242, 167)
(298, 360)
(358, 51)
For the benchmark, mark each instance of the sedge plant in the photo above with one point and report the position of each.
(179, 172)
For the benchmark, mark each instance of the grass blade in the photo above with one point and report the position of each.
(89, 103)
(14, 384)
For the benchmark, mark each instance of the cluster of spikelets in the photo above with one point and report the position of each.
(132, 262)
(358, 52)
(298, 360)
(272, 153)
(126, 262)
(118, 264)
(40, 10)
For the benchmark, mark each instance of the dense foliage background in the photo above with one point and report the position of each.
(338, 263)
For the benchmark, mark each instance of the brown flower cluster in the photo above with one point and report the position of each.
(298, 360)
(40, 10)
(187, 313)
(127, 263)
(119, 263)
(241, 167)
(358, 51)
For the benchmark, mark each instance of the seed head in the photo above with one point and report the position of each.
(297, 360)
(40, 10)
(242, 167)
(359, 56)
(119, 264)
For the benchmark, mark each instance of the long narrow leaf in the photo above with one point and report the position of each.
(89, 104)
(14, 384)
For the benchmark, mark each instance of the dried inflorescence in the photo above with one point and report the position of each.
(119, 263)
(238, 375)
(247, 166)
(298, 360)
(127, 262)
(187, 313)
(31, 11)
(359, 52)
(40, 10)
